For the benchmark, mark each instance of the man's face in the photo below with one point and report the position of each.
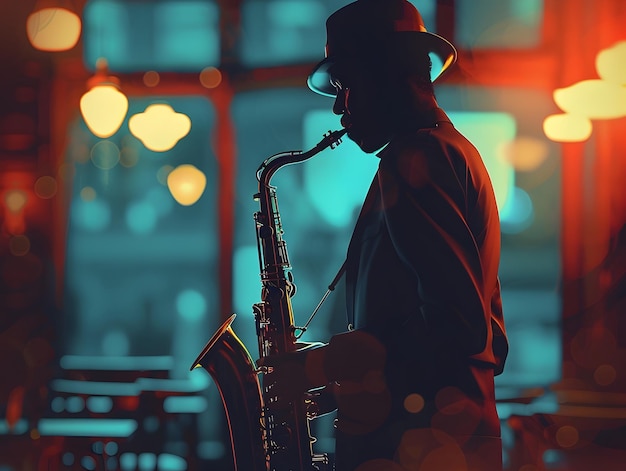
(364, 107)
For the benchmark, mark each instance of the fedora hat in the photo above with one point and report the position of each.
(366, 29)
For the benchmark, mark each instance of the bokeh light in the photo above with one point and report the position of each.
(525, 154)
(186, 184)
(53, 29)
(191, 305)
(151, 78)
(594, 99)
(567, 436)
(210, 77)
(45, 187)
(15, 200)
(141, 218)
(92, 215)
(19, 245)
(611, 63)
(104, 108)
(159, 127)
(567, 128)
(105, 155)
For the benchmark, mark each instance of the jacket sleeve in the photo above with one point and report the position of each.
(424, 197)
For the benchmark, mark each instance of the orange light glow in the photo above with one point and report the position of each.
(53, 29)
(15, 200)
(186, 183)
(159, 127)
(594, 99)
(525, 154)
(567, 128)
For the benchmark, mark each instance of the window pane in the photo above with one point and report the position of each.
(163, 35)
(500, 24)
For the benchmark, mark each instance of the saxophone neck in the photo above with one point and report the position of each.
(270, 165)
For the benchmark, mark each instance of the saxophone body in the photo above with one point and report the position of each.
(267, 433)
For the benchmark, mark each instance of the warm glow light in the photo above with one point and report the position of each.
(210, 77)
(595, 99)
(186, 183)
(53, 29)
(151, 78)
(611, 64)
(525, 153)
(567, 128)
(159, 127)
(46, 187)
(104, 108)
(15, 200)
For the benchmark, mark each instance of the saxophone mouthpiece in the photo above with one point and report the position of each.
(335, 137)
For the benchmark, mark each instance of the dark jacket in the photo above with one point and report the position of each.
(422, 282)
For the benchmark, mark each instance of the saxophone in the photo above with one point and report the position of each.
(266, 432)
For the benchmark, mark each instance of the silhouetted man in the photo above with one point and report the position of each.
(414, 382)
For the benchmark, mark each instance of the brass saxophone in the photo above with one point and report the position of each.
(266, 432)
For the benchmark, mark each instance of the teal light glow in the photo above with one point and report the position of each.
(92, 216)
(246, 282)
(160, 199)
(141, 218)
(19, 428)
(295, 13)
(128, 461)
(276, 32)
(115, 343)
(135, 35)
(519, 214)
(211, 450)
(491, 132)
(108, 388)
(184, 404)
(87, 427)
(100, 404)
(337, 180)
(74, 404)
(124, 363)
(147, 461)
(187, 33)
(106, 32)
(169, 462)
(502, 24)
(191, 305)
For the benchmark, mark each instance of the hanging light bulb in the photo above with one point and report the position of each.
(50, 27)
(159, 127)
(186, 183)
(104, 106)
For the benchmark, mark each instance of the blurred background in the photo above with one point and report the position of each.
(127, 238)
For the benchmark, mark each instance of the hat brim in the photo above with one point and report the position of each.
(443, 55)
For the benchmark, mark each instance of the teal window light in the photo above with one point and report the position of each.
(278, 32)
(161, 35)
(498, 24)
